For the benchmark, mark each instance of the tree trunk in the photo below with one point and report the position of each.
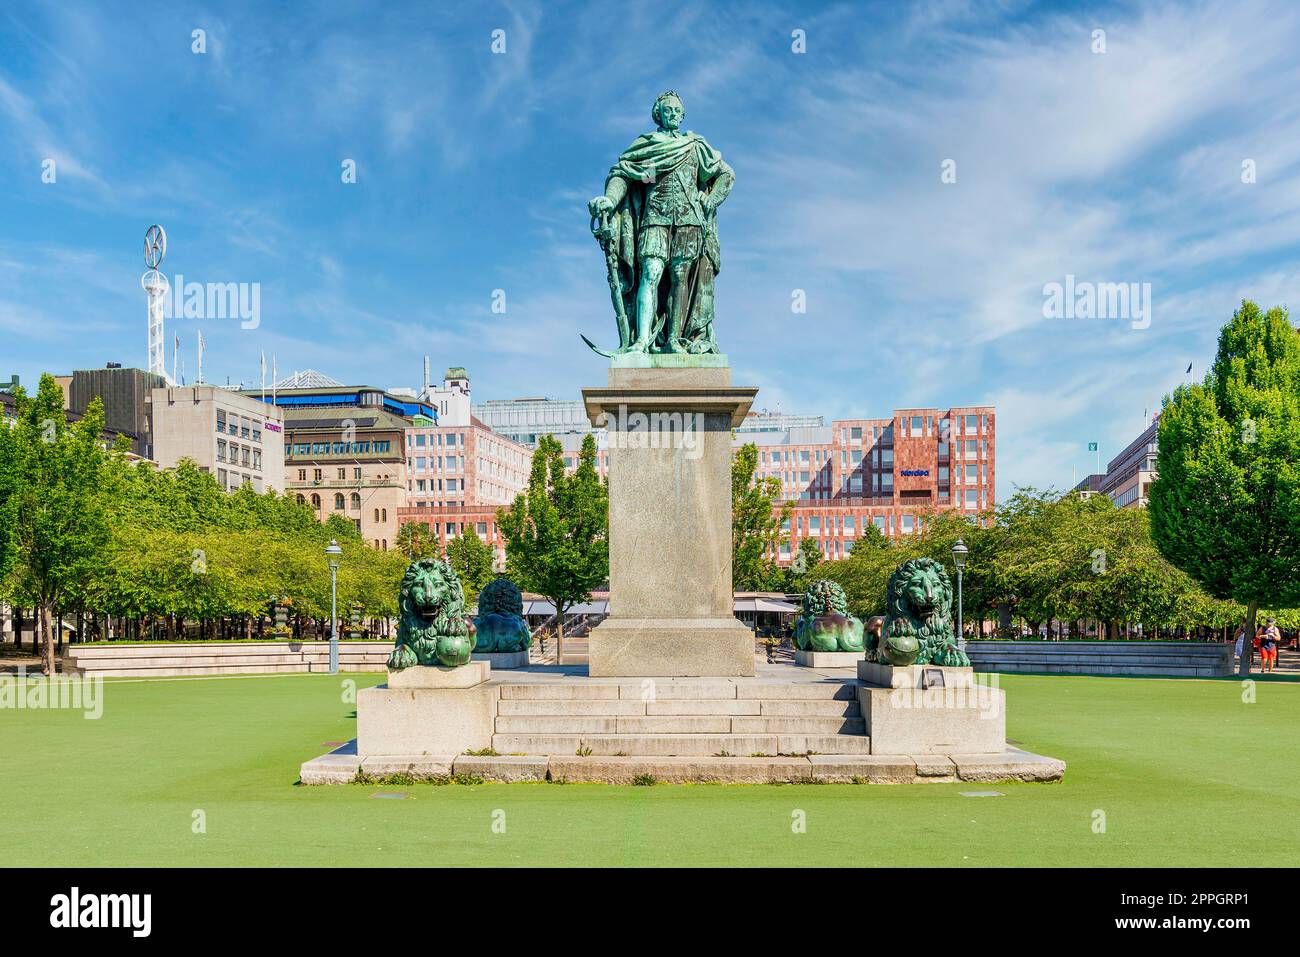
(559, 633)
(1248, 639)
(47, 665)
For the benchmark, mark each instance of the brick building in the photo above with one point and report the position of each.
(458, 470)
(887, 472)
(883, 472)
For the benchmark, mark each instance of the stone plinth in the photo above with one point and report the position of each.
(911, 676)
(426, 711)
(503, 659)
(439, 676)
(962, 719)
(827, 659)
(670, 601)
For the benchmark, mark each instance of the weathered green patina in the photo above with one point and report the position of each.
(657, 225)
(826, 624)
(919, 630)
(432, 627)
(500, 623)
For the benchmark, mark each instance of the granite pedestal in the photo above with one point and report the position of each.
(427, 711)
(670, 592)
(904, 717)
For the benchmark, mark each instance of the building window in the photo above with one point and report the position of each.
(221, 421)
(343, 474)
(338, 501)
(315, 501)
(356, 502)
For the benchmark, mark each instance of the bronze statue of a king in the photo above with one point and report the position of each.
(657, 224)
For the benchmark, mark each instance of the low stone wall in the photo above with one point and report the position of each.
(1170, 659)
(211, 658)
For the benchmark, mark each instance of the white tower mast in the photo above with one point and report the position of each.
(156, 288)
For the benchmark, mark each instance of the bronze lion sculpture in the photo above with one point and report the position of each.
(919, 626)
(500, 623)
(432, 628)
(826, 624)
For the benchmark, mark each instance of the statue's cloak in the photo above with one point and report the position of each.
(651, 157)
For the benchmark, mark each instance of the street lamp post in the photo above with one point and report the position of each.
(333, 551)
(959, 551)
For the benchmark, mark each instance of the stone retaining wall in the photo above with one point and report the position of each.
(1189, 659)
(211, 658)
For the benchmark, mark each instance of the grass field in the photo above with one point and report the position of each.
(1174, 765)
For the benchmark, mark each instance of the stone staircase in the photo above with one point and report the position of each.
(684, 717)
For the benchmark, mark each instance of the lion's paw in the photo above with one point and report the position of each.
(402, 657)
(953, 657)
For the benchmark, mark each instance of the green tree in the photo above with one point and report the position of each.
(416, 540)
(756, 524)
(50, 504)
(473, 560)
(555, 532)
(1226, 505)
(804, 567)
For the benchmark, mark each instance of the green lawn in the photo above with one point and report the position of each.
(1184, 771)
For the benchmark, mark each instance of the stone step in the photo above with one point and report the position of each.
(684, 689)
(796, 708)
(681, 744)
(340, 767)
(702, 707)
(770, 725)
(676, 724)
(575, 707)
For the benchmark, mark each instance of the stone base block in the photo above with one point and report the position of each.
(1009, 765)
(340, 766)
(503, 659)
(428, 766)
(411, 722)
(503, 767)
(827, 659)
(862, 769)
(910, 676)
(958, 720)
(678, 770)
(437, 676)
(671, 647)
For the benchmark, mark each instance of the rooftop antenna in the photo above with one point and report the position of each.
(425, 393)
(156, 288)
(199, 379)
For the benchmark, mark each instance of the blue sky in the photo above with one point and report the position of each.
(473, 170)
